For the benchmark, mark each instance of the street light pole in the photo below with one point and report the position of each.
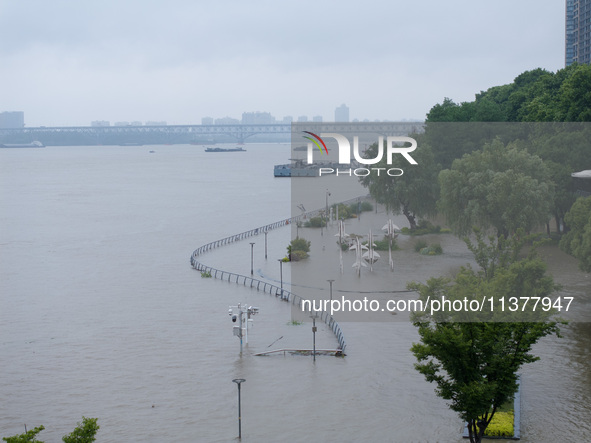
(330, 282)
(281, 275)
(251, 258)
(314, 335)
(327, 214)
(238, 381)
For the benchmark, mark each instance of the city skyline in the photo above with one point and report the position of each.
(16, 119)
(181, 61)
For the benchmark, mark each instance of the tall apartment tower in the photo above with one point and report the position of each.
(341, 114)
(13, 119)
(577, 32)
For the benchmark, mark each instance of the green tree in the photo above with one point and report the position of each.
(502, 187)
(577, 241)
(83, 433)
(574, 98)
(28, 436)
(414, 193)
(474, 363)
(534, 96)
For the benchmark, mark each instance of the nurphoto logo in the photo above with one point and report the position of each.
(392, 147)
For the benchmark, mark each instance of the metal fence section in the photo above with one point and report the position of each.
(261, 285)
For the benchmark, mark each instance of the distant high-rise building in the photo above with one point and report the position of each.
(317, 118)
(302, 118)
(257, 118)
(98, 123)
(227, 121)
(341, 114)
(207, 121)
(577, 32)
(13, 119)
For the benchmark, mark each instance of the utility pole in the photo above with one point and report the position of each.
(242, 315)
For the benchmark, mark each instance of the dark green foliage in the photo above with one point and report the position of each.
(298, 249)
(577, 241)
(422, 247)
(534, 96)
(84, 433)
(298, 255)
(29, 436)
(358, 207)
(300, 244)
(503, 187)
(425, 227)
(420, 244)
(316, 222)
(414, 193)
(344, 211)
(383, 245)
(475, 362)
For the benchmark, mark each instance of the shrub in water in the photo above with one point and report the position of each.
(420, 245)
(316, 222)
(501, 425)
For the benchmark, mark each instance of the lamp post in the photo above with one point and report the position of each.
(251, 258)
(314, 329)
(281, 275)
(238, 381)
(359, 209)
(327, 214)
(266, 244)
(330, 282)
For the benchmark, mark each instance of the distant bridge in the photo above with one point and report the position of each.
(186, 134)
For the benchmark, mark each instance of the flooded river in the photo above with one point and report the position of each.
(101, 314)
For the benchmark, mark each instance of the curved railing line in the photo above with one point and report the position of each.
(261, 285)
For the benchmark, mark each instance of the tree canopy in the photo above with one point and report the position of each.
(414, 193)
(500, 187)
(84, 432)
(577, 241)
(534, 96)
(475, 363)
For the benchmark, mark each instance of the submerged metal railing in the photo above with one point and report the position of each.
(261, 285)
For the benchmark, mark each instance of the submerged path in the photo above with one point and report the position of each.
(261, 285)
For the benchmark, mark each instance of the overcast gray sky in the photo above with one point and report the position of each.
(69, 62)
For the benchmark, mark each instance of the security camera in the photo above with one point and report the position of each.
(234, 319)
(230, 311)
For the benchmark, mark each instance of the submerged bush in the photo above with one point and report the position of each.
(316, 222)
(501, 425)
(382, 245)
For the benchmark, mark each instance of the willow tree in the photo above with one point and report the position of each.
(500, 187)
(577, 241)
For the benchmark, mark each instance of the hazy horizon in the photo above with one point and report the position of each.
(68, 63)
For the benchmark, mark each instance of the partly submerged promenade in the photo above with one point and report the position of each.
(261, 285)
